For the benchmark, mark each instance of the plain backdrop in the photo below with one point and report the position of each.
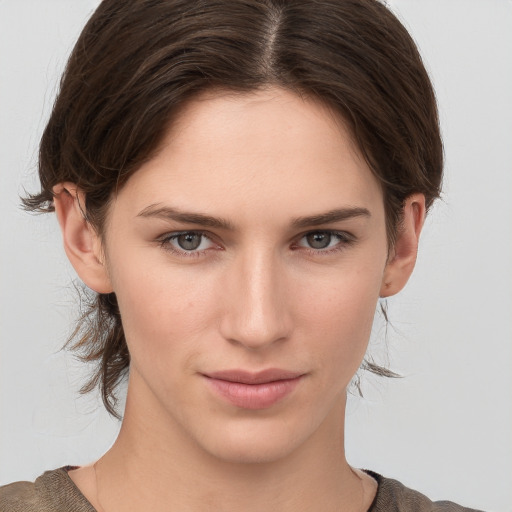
(446, 427)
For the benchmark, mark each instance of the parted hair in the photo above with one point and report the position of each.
(137, 62)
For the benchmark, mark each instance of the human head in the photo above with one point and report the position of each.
(137, 63)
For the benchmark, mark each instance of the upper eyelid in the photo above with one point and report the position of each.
(174, 234)
(207, 234)
(211, 236)
(340, 232)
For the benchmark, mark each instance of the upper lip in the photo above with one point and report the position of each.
(247, 377)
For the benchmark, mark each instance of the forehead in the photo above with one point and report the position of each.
(258, 120)
(230, 152)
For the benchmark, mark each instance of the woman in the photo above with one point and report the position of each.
(239, 182)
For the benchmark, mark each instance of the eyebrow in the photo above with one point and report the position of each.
(330, 217)
(169, 213)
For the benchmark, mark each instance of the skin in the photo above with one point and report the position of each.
(254, 295)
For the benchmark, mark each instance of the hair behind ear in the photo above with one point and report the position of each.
(99, 338)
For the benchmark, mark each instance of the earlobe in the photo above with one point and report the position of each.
(81, 242)
(403, 254)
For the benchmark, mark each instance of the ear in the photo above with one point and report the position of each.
(402, 258)
(81, 242)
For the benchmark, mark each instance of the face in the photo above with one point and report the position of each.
(247, 258)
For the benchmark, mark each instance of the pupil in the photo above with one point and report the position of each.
(319, 240)
(189, 241)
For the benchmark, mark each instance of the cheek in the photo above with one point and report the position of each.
(340, 318)
(164, 311)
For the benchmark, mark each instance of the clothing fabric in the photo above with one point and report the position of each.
(54, 491)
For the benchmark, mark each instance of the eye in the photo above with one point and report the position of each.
(191, 242)
(325, 240)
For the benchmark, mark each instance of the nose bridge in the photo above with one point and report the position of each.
(256, 314)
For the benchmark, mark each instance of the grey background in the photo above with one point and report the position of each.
(446, 427)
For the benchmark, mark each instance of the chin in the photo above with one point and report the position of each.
(251, 451)
(251, 441)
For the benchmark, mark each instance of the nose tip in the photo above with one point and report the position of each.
(256, 331)
(256, 314)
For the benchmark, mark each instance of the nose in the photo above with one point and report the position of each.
(257, 306)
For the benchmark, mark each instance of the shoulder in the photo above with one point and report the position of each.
(19, 496)
(53, 491)
(393, 496)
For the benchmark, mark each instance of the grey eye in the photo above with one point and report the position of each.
(189, 241)
(319, 240)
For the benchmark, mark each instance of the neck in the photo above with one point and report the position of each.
(155, 465)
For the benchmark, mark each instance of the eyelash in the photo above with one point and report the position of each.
(344, 240)
(165, 243)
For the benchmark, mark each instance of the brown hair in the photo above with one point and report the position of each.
(137, 61)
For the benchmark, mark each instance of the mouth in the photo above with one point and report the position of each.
(250, 390)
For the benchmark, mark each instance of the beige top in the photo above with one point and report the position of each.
(54, 491)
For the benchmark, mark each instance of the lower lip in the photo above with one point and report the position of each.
(253, 396)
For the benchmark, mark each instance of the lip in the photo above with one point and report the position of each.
(249, 390)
